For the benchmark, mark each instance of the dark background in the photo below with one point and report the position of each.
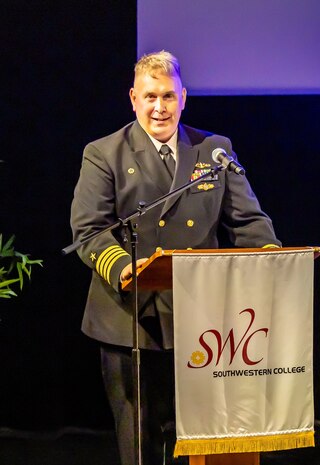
(66, 70)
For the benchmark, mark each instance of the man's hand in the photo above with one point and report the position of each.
(126, 273)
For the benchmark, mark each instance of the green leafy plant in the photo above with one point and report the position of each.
(14, 267)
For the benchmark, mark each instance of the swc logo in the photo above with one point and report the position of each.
(200, 360)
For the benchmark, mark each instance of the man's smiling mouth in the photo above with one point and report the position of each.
(161, 119)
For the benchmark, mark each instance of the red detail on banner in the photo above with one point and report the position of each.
(243, 344)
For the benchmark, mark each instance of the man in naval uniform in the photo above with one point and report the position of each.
(142, 162)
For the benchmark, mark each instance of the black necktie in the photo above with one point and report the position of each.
(168, 159)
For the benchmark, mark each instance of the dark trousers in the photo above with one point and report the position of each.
(157, 402)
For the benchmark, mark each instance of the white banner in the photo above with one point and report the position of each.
(243, 351)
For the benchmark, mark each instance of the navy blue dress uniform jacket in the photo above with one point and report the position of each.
(124, 168)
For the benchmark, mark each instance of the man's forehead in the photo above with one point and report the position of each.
(150, 81)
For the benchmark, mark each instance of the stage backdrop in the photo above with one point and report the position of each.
(232, 47)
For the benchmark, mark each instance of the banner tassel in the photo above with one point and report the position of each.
(244, 444)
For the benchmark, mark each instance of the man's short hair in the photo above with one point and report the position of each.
(163, 62)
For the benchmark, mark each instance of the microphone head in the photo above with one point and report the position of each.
(218, 155)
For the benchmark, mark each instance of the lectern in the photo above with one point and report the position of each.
(156, 274)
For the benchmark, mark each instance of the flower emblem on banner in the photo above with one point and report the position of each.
(197, 357)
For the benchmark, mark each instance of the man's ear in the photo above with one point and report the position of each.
(132, 96)
(184, 97)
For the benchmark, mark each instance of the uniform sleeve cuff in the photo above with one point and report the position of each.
(109, 260)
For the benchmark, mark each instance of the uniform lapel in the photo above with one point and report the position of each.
(186, 160)
(149, 159)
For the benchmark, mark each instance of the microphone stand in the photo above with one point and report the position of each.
(132, 227)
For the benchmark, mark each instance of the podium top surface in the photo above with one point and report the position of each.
(156, 272)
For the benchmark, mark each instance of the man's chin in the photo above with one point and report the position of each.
(162, 136)
(161, 132)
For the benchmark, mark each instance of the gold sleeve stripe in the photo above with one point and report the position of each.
(270, 246)
(104, 254)
(107, 259)
(112, 263)
(104, 257)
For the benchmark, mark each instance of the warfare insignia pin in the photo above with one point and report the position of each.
(205, 186)
(202, 165)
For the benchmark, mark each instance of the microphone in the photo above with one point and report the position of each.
(220, 156)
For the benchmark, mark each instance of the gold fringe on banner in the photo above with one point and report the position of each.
(244, 444)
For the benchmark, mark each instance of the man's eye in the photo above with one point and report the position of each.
(169, 96)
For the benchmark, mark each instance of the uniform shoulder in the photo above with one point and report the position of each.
(112, 139)
(200, 136)
(196, 135)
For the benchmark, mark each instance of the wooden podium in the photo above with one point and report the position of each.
(251, 458)
(156, 274)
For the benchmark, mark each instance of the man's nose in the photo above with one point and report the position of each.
(159, 105)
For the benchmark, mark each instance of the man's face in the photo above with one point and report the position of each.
(158, 101)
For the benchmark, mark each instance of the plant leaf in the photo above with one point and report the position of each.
(8, 244)
(6, 293)
(16, 261)
(8, 282)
